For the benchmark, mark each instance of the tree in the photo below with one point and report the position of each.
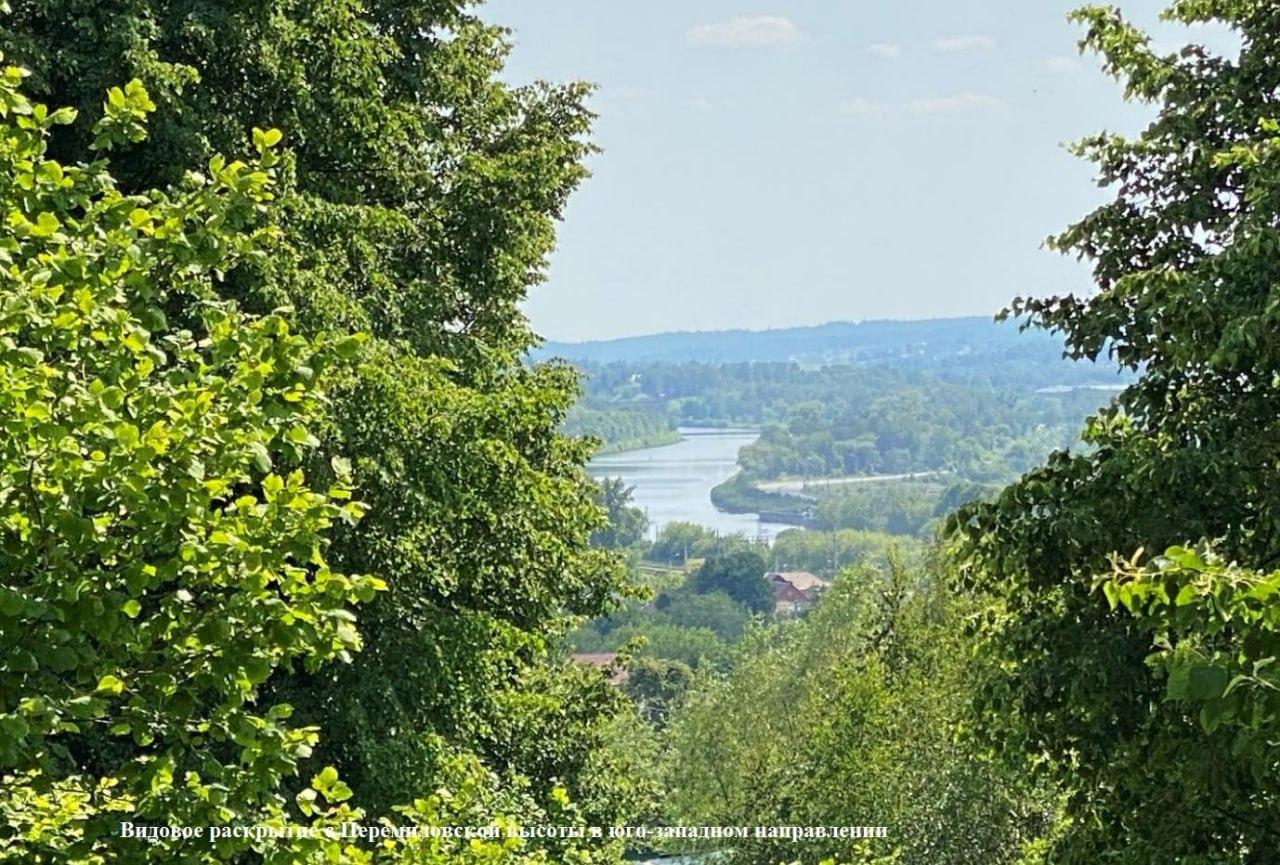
(848, 717)
(677, 541)
(626, 524)
(161, 550)
(657, 686)
(740, 575)
(419, 207)
(697, 648)
(425, 190)
(715, 611)
(827, 553)
(1113, 672)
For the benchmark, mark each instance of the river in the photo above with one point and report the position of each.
(674, 482)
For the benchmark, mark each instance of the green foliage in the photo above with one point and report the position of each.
(479, 522)
(740, 575)
(680, 624)
(417, 203)
(849, 717)
(1120, 696)
(425, 195)
(739, 495)
(859, 420)
(854, 422)
(902, 506)
(690, 621)
(678, 542)
(982, 434)
(695, 647)
(162, 551)
(626, 524)
(1215, 629)
(620, 429)
(657, 686)
(714, 610)
(650, 635)
(899, 507)
(826, 553)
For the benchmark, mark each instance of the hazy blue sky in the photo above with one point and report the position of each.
(780, 162)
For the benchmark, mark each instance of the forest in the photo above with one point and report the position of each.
(297, 534)
(959, 437)
(619, 428)
(958, 347)
(754, 392)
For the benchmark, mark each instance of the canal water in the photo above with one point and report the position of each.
(674, 482)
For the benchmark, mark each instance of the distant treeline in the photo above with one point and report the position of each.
(960, 344)
(844, 420)
(621, 428)
(865, 425)
(758, 393)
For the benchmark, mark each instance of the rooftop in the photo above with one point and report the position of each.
(802, 580)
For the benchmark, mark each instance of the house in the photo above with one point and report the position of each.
(602, 661)
(794, 591)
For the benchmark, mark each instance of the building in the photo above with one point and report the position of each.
(794, 592)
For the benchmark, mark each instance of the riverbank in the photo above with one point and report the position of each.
(639, 443)
(673, 483)
(802, 487)
(738, 495)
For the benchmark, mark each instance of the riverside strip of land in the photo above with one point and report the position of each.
(800, 488)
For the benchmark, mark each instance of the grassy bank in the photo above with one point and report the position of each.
(738, 496)
(650, 440)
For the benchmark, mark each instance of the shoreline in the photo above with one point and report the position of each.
(676, 436)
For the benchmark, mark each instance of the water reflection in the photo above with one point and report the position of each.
(674, 482)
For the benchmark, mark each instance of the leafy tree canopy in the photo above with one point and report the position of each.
(160, 546)
(418, 206)
(740, 575)
(847, 717)
(1186, 265)
(164, 544)
(426, 189)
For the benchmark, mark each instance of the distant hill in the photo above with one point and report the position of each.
(926, 344)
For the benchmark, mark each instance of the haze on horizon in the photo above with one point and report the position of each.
(785, 163)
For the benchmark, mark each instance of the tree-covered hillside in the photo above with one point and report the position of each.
(621, 428)
(709, 394)
(845, 422)
(963, 346)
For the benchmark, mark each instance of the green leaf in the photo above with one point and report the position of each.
(11, 603)
(1211, 715)
(1112, 593)
(349, 347)
(327, 777)
(260, 457)
(109, 684)
(1178, 686)
(1206, 682)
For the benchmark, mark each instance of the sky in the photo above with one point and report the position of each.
(773, 163)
